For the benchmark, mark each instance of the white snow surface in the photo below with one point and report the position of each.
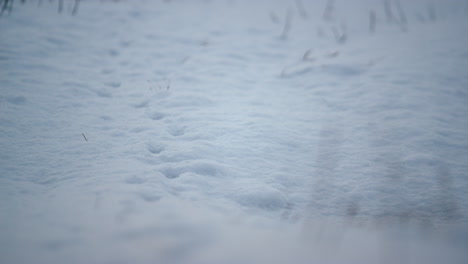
(234, 131)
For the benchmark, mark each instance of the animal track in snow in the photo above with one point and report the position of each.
(103, 93)
(171, 173)
(17, 100)
(149, 196)
(154, 148)
(135, 180)
(141, 104)
(113, 84)
(156, 115)
(114, 53)
(199, 167)
(176, 131)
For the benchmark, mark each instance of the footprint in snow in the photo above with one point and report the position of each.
(154, 148)
(176, 131)
(171, 173)
(156, 115)
(200, 167)
(149, 197)
(17, 100)
(113, 84)
(135, 180)
(114, 53)
(141, 104)
(103, 93)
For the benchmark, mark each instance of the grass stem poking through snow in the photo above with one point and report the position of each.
(301, 9)
(372, 21)
(402, 21)
(287, 24)
(7, 5)
(328, 12)
(167, 87)
(431, 11)
(340, 34)
(75, 7)
(388, 11)
(60, 6)
(274, 18)
(307, 55)
(84, 137)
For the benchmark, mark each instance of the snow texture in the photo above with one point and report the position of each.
(228, 131)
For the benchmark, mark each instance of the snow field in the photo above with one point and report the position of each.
(214, 135)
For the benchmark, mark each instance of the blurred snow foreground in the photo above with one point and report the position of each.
(234, 132)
